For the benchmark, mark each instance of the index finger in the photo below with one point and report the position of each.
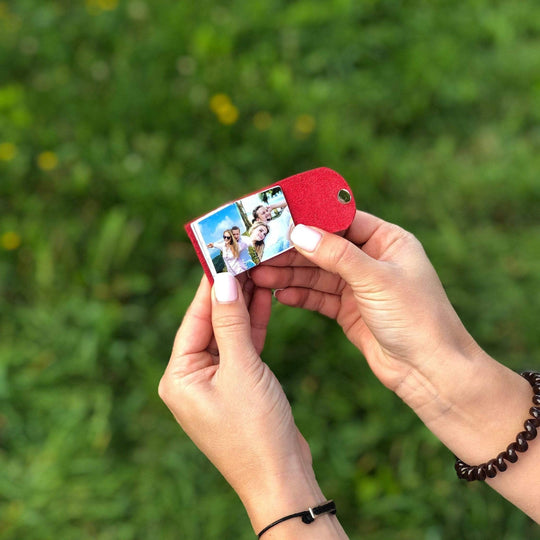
(363, 227)
(288, 258)
(374, 235)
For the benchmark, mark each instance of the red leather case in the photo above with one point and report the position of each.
(313, 199)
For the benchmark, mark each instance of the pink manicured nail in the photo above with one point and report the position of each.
(225, 288)
(305, 237)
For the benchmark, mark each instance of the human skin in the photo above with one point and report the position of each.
(379, 285)
(227, 238)
(264, 213)
(234, 409)
(258, 234)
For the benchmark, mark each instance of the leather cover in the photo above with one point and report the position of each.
(312, 197)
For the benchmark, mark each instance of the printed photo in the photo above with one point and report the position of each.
(241, 235)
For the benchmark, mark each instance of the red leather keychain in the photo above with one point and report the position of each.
(249, 230)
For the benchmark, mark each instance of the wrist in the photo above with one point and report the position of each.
(295, 489)
(471, 402)
(281, 492)
(443, 383)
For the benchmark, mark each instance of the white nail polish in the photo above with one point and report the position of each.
(225, 288)
(305, 237)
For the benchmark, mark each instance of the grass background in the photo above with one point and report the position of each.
(111, 137)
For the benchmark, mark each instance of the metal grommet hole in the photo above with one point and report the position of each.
(344, 196)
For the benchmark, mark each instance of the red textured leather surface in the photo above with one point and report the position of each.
(312, 197)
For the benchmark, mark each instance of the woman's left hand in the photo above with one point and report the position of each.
(231, 404)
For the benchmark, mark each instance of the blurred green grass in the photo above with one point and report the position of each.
(109, 143)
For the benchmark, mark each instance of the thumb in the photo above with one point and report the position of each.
(231, 322)
(333, 253)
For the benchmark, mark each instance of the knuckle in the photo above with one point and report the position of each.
(289, 277)
(300, 297)
(229, 324)
(399, 239)
(314, 277)
(408, 237)
(163, 388)
(402, 235)
(344, 254)
(339, 286)
(320, 303)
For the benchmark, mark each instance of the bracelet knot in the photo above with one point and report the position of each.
(308, 516)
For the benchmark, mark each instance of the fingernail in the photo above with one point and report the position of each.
(275, 291)
(305, 237)
(225, 288)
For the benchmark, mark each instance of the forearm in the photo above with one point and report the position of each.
(280, 495)
(476, 406)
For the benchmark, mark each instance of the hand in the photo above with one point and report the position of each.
(380, 287)
(232, 406)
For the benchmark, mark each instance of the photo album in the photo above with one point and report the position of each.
(244, 233)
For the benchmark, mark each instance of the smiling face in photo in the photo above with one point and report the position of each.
(258, 234)
(264, 213)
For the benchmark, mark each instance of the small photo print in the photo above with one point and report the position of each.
(241, 235)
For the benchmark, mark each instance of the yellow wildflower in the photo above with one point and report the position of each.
(218, 102)
(226, 112)
(7, 151)
(47, 161)
(228, 115)
(10, 240)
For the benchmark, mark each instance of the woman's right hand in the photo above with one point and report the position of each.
(379, 285)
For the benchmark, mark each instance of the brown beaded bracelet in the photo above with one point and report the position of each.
(493, 466)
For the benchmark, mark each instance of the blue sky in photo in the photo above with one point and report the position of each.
(212, 227)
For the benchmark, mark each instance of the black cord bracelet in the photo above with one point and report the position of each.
(308, 516)
(493, 466)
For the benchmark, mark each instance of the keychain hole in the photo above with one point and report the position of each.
(344, 196)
